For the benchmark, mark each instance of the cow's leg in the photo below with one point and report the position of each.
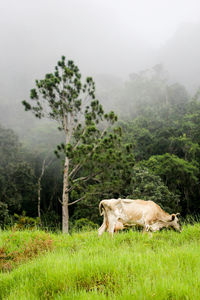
(103, 227)
(146, 229)
(111, 228)
(111, 224)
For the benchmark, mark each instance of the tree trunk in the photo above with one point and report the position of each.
(65, 198)
(39, 190)
(39, 199)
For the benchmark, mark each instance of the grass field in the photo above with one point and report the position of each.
(132, 265)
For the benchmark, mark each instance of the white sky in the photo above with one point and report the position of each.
(152, 20)
(109, 37)
(157, 20)
(113, 35)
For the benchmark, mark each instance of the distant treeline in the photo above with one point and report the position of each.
(160, 128)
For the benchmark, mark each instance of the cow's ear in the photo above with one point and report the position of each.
(173, 217)
(177, 214)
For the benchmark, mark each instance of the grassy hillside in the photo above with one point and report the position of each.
(132, 265)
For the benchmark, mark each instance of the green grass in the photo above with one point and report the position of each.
(132, 265)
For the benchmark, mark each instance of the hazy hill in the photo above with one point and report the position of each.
(181, 56)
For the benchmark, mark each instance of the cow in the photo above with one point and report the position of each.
(122, 213)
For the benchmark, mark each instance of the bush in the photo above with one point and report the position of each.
(84, 224)
(23, 221)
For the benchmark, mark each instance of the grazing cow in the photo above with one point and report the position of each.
(121, 213)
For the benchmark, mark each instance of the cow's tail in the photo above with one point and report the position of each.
(101, 208)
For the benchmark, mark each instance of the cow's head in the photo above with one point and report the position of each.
(175, 222)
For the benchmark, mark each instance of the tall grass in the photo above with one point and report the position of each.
(132, 265)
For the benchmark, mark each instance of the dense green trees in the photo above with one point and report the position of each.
(181, 177)
(148, 185)
(17, 181)
(152, 153)
(167, 141)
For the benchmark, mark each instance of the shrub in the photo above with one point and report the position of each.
(20, 247)
(23, 221)
(84, 224)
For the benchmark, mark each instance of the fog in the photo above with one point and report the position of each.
(112, 37)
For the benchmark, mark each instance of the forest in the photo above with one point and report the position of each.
(139, 140)
(100, 101)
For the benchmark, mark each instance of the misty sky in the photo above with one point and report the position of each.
(101, 36)
(151, 20)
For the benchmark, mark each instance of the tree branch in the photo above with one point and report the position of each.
(78, 166)
(78, 143)
(76, 200)
(71, 203)
(85, 178)
(74, 169)
(60, 201)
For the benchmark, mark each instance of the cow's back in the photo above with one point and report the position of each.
(141, 210)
